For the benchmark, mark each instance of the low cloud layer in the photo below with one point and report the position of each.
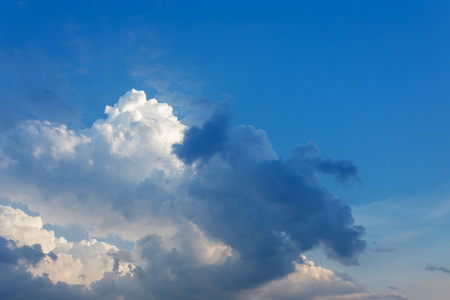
(213, 211)
(365, 296)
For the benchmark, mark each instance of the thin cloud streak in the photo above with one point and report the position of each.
(433, 268)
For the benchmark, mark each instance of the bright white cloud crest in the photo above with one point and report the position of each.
(140, 133)
(86, 171)
(26, 230)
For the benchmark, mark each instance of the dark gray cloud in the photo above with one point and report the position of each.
(270, 209)
(342, 170)
(206, 141)
(18, 284)
(267, 209)
(433, 268)
(10, 253)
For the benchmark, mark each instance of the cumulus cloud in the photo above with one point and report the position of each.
(26, 230)
(213, 211)
(139, 131)
(74, 263)
(308, 281)
(278, 203)
(102, 173)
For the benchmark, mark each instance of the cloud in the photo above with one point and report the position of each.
(55, 141)
(366, 296)
(382, 250)
(308, 281)
(74, 263)
(26, 230)
(113, 166)
(17, 283)
(342, 170)
(206, 141)
(10, 253)
(138, 131)
(433, 268)
(213, 211)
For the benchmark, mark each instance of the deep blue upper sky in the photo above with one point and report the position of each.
(368, 81)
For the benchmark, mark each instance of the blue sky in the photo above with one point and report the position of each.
(367, 81)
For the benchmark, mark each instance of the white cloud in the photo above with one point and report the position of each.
(306, 282)
(89, 177)
(26, 230)
(46, 138)
(138, 135)
(134, 140)
(76, 263)
(205, 250)
(312, 282)
(365, 296)
(82, 263)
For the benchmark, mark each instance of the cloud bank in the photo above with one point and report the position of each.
(212, 210)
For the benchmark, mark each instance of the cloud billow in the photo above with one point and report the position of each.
(268, 209)
(204, 142)
(213, 210)
(10, 253)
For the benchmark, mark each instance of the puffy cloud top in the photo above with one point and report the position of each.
(140, 130)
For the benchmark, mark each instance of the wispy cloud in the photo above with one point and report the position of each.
(433, 268)
(366, 296)
(387, 250)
